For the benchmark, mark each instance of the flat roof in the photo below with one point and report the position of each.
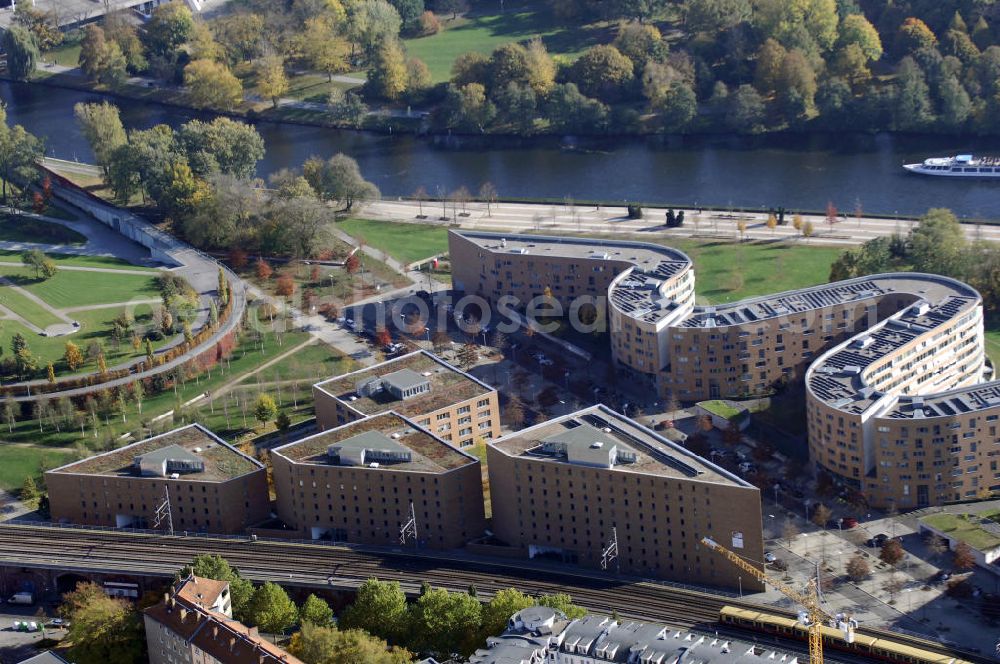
(222, 461)
(449, 385)
(430, 454)
(653, 454)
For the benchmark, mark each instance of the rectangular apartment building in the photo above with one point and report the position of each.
(450, 403)
(364, 481)
(574, 484)
(211, 486)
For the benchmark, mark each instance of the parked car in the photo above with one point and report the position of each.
(747, 467)
(878, 541)
(849, 522)
(769, 557)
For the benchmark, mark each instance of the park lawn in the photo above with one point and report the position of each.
(406, 243)
(110, 262)
(80, 289)
(27, 308)
(993, 341)
(20, 461)
(483, 32)
(15, 228)
(67, 55)
(731, 271)
(317, 87)
(315, 361)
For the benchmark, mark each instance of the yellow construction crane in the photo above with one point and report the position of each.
(814, 617)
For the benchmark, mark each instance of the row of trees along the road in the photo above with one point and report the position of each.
(379, 627)
(200, 178)
(738, 65)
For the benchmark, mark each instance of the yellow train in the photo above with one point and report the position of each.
(864, 644)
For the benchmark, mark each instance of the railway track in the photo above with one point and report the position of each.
(346, 568)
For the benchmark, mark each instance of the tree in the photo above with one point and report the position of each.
(963, 558)
(468, 355)
(541, 68)
(797, 85)
(500, 608)
(373, 23)
(22, 52)
(938, 243)
(211, 566)
(914, 35)
(103, 630)
(43, 25)
(789, 531)
(338, 179)
(678, 107)
(19, 155)
(271, 79)
(33, 258)
(807, 24)
(444, 622)
(184, 192)
(315, 644)
(72, 356)
(472, 67)
(379, 608)
(202, 44)
(571, 111)
(315, 611)
(324, 49)
(640, 43)
(418, 78)
(49, 268)
(223, 146)
(913, 108)
(564, 603)
(101, 59)
(265, 410)
(892, 552)
(467, 108)
(808, 229)
(169, 26)
(102, 126)
(745, 110)
(284, 286)
(347, 108)
(852, 65)
(821, 515)
(29, 494)
(211, 85)
(767, 71)
(241, 35)
(270, 608)
(387, 77)
(856, 29)
(858, 569)
(603, 72)
(716, 15)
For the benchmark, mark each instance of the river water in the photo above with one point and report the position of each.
(798, 172)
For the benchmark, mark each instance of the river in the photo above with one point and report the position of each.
(799, 172)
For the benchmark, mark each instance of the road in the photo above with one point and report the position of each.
(342, 567)
(709, 225)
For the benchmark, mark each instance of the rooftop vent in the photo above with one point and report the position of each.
(596, 445)
(852, 370)
(863, 342)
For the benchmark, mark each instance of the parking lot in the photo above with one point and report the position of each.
(18, 645)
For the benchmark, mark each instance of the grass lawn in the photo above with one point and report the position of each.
(67, 55)
(20, 461)
(25, 229)
(404, 242)
(27, 308)
(720, 408)
(110, 262)
(80, 289)
(484, 31)
(317, 87)
(315, 361)
(965, 527)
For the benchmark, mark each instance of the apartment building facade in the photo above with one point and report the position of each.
(370, 480)
(184, 630)
(209, 485)
(577, 484)
(448, 402)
